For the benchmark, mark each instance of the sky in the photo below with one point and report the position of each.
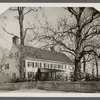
(11, 24)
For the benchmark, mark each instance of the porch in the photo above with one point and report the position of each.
(44, 74)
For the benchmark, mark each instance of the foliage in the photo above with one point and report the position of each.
(38, 75)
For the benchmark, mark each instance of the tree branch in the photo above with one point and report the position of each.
(59, 42)
(93, 17)
(28, 11)
(70, 9)
(13, 9)
(7, 31)
(26, 32)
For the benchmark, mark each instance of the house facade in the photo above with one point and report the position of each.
(49, 63)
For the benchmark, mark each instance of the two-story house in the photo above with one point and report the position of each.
(49, 62)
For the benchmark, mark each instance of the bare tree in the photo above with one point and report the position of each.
(22, 12)
(70, 36)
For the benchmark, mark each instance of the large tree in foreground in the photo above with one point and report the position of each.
(74, 34)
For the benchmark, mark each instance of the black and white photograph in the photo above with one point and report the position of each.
(50, 49)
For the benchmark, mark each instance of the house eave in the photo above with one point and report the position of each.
(44, 60)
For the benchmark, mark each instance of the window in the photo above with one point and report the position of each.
(36, 65)
(40, 65)
(59, 66)
(11, 55)
(44, 65)
(6, 66)
(52, 66)
(33, 64)
(55, 66)
(29, 64)
(65, 67)
(48, 65)
(30, 74)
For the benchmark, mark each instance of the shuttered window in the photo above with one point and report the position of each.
(40, 65)
(6, 66)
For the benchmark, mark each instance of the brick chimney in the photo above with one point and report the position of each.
(15, 40)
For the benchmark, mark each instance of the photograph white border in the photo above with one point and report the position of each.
(5, 6)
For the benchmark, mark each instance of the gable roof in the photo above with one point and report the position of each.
(33, 52)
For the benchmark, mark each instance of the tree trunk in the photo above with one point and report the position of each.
(21, 19)
(77, 71)
(84, 64)
(93, 72)
(21, 70)
(96, 68)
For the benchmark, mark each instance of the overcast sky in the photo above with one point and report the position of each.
(12, 26)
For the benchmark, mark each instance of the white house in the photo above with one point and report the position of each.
(49, 62)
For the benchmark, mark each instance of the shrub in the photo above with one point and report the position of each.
(19, 80)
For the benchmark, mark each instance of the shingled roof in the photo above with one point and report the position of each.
(33, 52)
